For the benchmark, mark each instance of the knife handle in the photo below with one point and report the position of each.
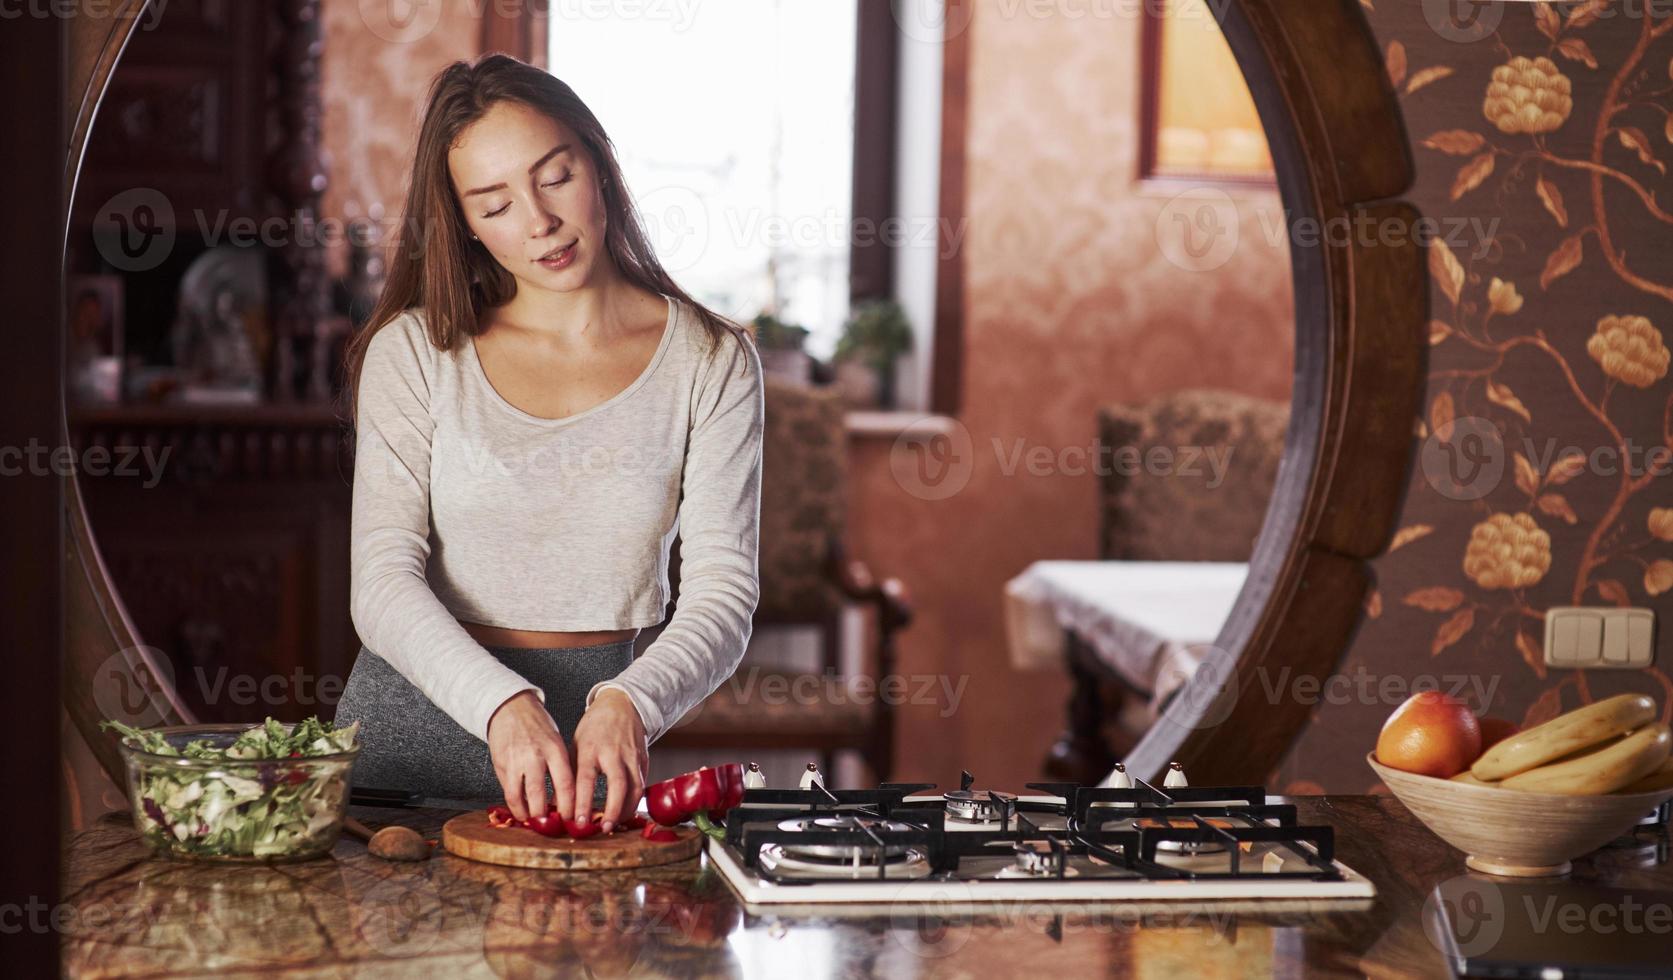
(374, 796)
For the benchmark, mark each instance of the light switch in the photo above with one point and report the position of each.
(1562, 640)
(1590, 648)
(1615, 642)
(1641, 644)
(1587, 637)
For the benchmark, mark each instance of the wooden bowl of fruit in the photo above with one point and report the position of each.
(1530, 801)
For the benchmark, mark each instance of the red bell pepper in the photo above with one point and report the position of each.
(711, 791)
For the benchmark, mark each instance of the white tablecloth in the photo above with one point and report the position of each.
(1150, 621)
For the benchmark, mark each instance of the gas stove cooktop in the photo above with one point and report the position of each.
(1065, 842)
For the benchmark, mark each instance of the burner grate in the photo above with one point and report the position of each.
(1092, 831)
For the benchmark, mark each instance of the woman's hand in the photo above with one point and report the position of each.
(610, 738)
(525, 745)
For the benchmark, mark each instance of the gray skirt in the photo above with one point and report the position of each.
(407, 743)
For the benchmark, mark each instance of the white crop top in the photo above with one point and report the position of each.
(467, 508)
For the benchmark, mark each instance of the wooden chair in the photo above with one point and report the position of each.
(1147, 516)
(807, 579)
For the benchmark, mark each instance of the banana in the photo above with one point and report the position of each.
(1660, 779)
(1565, 734)
(1600, 770)
(1469, 777)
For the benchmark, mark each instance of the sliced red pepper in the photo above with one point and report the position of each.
(707, 790)
(658, 834)
(547, 825)
(499, 816)
(592, 826)
(632, 821)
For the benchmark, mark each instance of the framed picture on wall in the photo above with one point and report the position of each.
(94, 323)
(1197, 120)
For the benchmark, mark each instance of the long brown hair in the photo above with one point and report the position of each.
(435, 265)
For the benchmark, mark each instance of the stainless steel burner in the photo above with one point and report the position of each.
(1035, 860)
(817, 859)
(775, 862)
(977, 805)
(841, 852)
(1186, 847)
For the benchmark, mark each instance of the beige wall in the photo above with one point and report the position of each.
(374, 90)
(1069, 304)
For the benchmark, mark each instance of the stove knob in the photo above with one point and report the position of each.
(1175, 777)
(812, 776)
(753, 778)
(1119, 778)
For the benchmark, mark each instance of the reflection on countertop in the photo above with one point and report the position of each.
(126, 913)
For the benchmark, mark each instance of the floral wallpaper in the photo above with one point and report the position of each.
(1543, 457)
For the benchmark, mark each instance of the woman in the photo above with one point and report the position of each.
(539, 409)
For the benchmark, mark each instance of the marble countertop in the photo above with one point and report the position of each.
(126, 913)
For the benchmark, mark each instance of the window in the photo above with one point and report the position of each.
(734, 124)
(1199, 120)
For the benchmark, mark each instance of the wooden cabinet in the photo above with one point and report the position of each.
(226, 532)
(187, 115)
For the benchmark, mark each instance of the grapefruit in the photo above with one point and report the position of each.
(1432, 734)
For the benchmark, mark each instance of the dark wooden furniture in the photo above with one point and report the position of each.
(35, 72)
(210, 133)
(231, 569)
(187, 116)
(450, 916)
(234, 566)
(808, 580)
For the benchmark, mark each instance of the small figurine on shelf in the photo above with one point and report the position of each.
(220, 336)
(95, 338)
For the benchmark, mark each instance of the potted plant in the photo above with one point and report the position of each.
(780, 345)
(876, 334)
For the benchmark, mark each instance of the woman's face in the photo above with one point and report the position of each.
(528, 189)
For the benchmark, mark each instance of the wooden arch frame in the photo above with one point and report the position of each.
(1337, 140)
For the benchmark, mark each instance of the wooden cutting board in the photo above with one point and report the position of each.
(470, 835)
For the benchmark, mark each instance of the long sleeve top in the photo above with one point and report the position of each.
(467, 508)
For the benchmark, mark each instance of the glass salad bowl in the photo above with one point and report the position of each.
(237, 792)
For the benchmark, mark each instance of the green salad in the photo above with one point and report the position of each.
(263, 803)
